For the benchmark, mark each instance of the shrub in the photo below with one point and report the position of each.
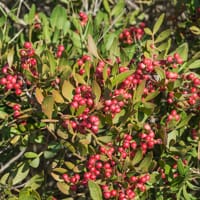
(99, 105)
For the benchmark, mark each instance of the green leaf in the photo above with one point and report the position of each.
(3, 115)
(139, 92)
(31, 14)
(146, 162)
(75, 37)
(117, 117)
(160, 72)
(148, 31)
(67, 90)
(51, 62)
(152, 95)
(49, 154)
(195, 65)
(195, 30)
(35, 162)
(137, 158)
(10, 57)
(48, 106)
(163, 35)
(79, 79)
(69, 165)
(184, 122)
(4, 178)
(58, 17)
(63, 187)
(95, 190)
(46, 34)
(106, 6)
(92, 48)
(121, 77)
(118, 9)
(105, 139)
(35, 182)
(30, 154)
(181, 169)
(96, 90)
(171, 136)
(22, 173)
(182, 50)
(158, 23)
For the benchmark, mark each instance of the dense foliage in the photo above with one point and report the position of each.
(99, 100)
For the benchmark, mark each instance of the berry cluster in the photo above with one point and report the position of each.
(99, 71)
(81, 61)
(11, 82)
(28, 62)
(102, 166)
(16, 108)
(129, 35)
(113, 106)
(83, 18)
(60, 50)
(173, 116)
(83, 98)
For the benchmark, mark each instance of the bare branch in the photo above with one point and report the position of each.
(10, 162)
(12, 16)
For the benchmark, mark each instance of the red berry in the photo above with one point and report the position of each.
(27, 45)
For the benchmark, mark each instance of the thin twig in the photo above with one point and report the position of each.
(19, 7)
(110, 27)
(11, 15)
(10, 162)
(16, 35)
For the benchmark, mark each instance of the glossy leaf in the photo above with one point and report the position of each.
(121, 77)
(163, 35)
(158, 23)
(95, 190)
(106, 6)
(195, 65)
(182, 50)
(30, 154)
(148, 31)
(137, 158)
(58, 17)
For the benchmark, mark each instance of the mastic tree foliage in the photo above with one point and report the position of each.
(99, 100)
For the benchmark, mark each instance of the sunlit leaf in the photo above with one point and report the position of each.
(95, 190)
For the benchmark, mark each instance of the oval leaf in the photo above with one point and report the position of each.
(92, 48)
(67, 90)
(158, 23)
(96, 91)
(163, 35)
(95, 190)
(57, 97)
(48, 106)
(39, 96)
